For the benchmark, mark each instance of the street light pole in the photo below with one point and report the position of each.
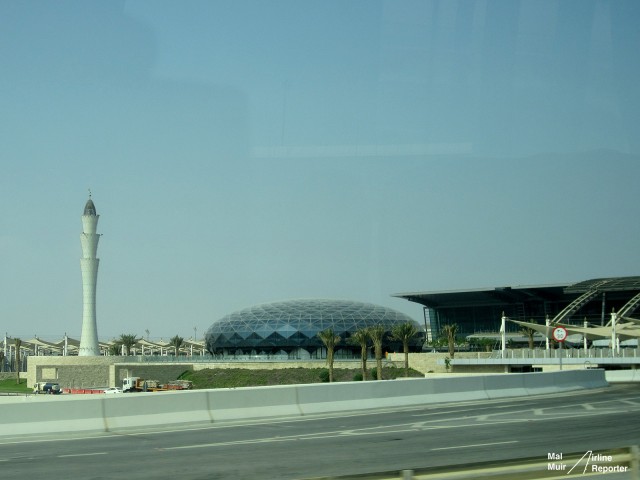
(614, 317)
(503, 335)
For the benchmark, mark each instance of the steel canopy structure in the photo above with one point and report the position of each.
(481, 310)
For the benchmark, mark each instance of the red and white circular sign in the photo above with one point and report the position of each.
(559, 334)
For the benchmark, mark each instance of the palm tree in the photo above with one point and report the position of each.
(377, 334)
(450, 331)
(115, 348)
(486, 343)
(176, 342)
(529, 333)
(17, 343)
(330, 340)
(128, 341)
(361, 337)
(403, 333)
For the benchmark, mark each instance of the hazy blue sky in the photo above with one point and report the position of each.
(242, 152)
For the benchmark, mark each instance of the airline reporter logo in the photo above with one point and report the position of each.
(589, 463)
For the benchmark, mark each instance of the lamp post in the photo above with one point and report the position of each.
(614, 342)
(547, 323)
(503, 335)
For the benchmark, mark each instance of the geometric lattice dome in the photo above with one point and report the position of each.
(294, 324)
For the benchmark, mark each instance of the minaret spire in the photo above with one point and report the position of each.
(89, 267)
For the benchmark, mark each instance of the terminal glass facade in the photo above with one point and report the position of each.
(480, 311)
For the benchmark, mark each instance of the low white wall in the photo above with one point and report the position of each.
(37, 414)
(622, 376)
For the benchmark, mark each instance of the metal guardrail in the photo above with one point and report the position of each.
(592, 353)
(521, 353)
(228, 359)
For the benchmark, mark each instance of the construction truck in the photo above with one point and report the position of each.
(179, 385)
(47, 387)
(137, 384)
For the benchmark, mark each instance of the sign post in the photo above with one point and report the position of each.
(560, 335)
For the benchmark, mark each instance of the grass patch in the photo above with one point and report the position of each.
(242, 377)
(10, 386)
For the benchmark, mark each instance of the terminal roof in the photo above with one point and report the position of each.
(521, 294)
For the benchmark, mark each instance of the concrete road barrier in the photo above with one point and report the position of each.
(146, 409)
(622, 376)
(37, 414)
(501, 386)
(83, 413)
(253, 402)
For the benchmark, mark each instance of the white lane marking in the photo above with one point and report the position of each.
(82, 454)
(399, 428)
(428, 414)
(476, 409)
(290, 438)
(475, 445)
(224, 444)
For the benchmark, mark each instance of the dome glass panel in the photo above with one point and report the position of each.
(291, 325)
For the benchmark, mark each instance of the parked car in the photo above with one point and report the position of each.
(112, 390)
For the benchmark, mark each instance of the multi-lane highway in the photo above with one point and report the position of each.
(435, 436)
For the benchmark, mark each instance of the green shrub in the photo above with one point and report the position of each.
(357, 377)
(324, 375)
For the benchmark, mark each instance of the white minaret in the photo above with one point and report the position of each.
(89, 266)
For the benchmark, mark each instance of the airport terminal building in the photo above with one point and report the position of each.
(290, 328)
(478, 311)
